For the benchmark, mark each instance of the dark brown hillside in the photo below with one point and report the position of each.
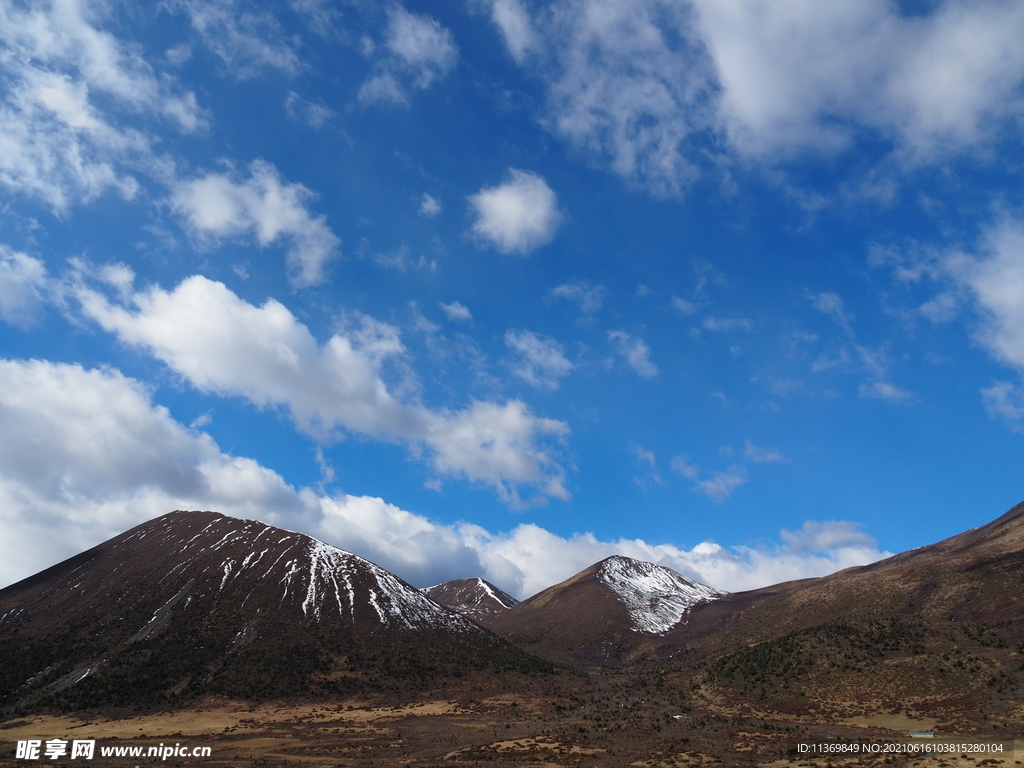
(196, 602)
(938, 630)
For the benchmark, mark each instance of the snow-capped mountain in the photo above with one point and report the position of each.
(473, 597)
(656, 597)
(196, 602)
(604, 613)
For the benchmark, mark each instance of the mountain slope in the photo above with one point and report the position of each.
(473, 597)
(936, 630)
(603, 613)
(196, 602)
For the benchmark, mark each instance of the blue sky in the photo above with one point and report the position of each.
(501, 288)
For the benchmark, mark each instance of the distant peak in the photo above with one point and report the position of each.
(656, 597)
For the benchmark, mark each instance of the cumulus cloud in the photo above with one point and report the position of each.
(90, 455)
(23, 284)
(226, 346)
(86, 455)
(635, 352)
(995, 279)
(629, 87)
(638, 85)
(218, 206)
(539, 360)
(73, 94)
(518, 216)
(590, 297)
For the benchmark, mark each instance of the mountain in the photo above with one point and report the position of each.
(474, 597)
(196, 602)
(937, 631)
(604, 612)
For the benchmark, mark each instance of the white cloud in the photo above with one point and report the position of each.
(941, 309)
(590, 297)
(929, 82)
(512, 19)
(246, 40)
(86, 455)
(540, 361)
(831, 304)
(681, 465)
(89, 455)
(217, 206)
(720, 485)
(762, 455)
(1004, 399)
(881, 390)
(23, 284)
(382, 89)
(822, 536)
(639, 84)
(456, 311)
(683, 306)
(518, 216)
(57, 143)
(726, 324)
(627, 88)
(313, 114)
(995, 280)
(417, 51)
(224, 345)
(635, 352)
(429, 206)
(422, 44)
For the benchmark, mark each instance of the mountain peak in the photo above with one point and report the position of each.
(193, 602)
(473, 597)
(656, 597)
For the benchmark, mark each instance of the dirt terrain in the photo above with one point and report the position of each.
(600, 718)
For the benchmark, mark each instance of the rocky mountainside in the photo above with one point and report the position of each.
(473, 597)
(196, 602)
(603, 613)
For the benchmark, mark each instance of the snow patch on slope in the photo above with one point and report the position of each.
(656, 597)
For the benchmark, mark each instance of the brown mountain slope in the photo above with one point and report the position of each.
(937, 630)
(196, 602)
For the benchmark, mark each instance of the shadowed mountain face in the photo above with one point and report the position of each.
(603, 613)
(937, 630)
(474, 597)
(196, 602)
